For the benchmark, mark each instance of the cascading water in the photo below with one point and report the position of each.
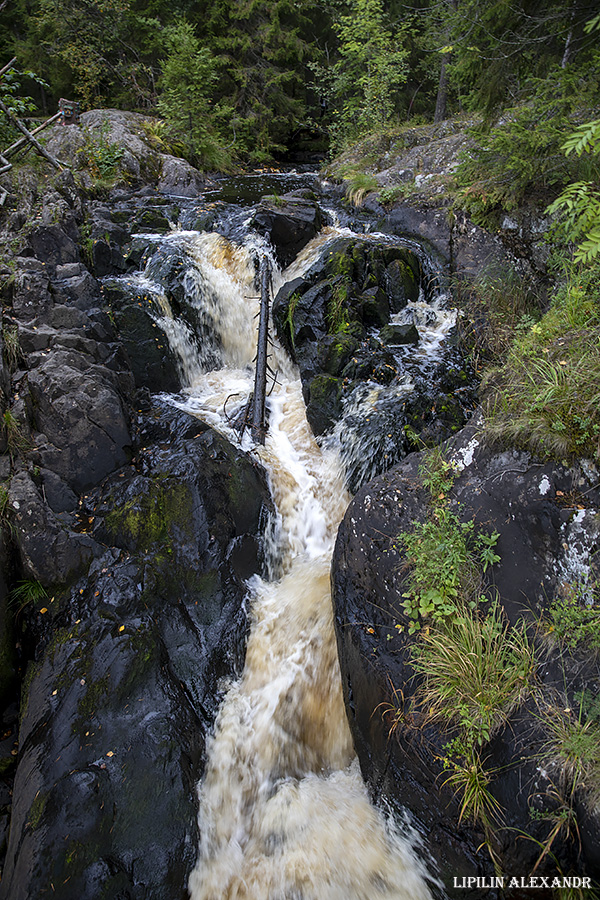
(284, 813)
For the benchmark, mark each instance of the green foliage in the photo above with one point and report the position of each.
(573, 746)
(495, 307)
(16, 441)
(470, 779)
(546, 397)
(102, 157)
(574, 620)
(446, 555)
(476, 670)
(395, 192)
(11, 345)
(579, 204)
(25, 593)
(11, 84)
(523, 153)
(100, 52)
(358, 186)
(188, 80)
(361, 86)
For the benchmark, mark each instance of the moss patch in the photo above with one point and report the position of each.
(151, 518)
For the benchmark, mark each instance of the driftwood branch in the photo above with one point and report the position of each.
(34, 143)
(257, 426)
(18, 145)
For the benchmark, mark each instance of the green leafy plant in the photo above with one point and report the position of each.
(578, 205)
(522, 154)
(101, 156)
(475, 671)
(446, 555)
(576, 622)
(18, 104)
(495, 307)
(470, 779)
(395, 192)
(573, 748)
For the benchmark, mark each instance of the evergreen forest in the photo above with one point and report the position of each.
(246, 80)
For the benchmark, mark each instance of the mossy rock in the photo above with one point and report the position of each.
(325, 403)
(160, 510)
(401, 281)
(335, 351)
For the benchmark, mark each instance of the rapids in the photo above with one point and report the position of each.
(284, 813)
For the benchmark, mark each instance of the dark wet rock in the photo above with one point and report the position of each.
(126, 688)
(53, 245)
(152, 361)
(77, 406)
(289, 222)
(7, 648)
(399, 334)
(58, 494)
(373, 307)
(542, 542)
(31, 295)
(48, 551)
(324, 405)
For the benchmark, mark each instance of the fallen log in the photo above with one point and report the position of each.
(18, 145)
(34, 143)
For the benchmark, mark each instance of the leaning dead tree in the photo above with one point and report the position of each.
(257, 424)
(253, 415)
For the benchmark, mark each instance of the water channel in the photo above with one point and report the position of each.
(284, 813)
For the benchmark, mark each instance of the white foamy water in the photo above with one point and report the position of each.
(284, 813)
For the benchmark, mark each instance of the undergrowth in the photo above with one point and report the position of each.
(546, 397)
(495, 307)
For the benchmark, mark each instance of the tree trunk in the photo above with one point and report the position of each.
(442, 94)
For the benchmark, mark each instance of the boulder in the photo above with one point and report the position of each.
(289, 222)
(543, 544)
(50, 553)
(179, 178)
(152, 361)
(77, 406)
(122, 698)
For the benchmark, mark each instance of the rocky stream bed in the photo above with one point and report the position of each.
(130, 527)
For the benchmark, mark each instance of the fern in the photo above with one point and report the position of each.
(579, 203)
(584, 139)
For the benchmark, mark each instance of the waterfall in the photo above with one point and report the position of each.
(284, 813)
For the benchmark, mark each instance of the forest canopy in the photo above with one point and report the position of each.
(248, 79)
